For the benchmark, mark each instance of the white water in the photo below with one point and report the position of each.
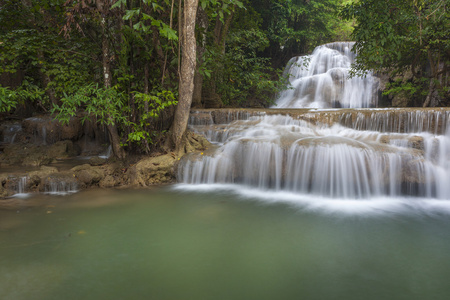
(21, 186)
(388, 154)
(107, 153)
(320, 80)
(283, 154)
(61, 187)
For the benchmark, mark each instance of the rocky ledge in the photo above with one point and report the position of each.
(56, 168)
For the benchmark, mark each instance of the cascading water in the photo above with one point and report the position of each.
(338, 161)
(20, 186)
(320, 80)
(327, 153)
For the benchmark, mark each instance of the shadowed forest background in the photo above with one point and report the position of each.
(119, 63)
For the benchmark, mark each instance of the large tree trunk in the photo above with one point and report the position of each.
(114, 138)
(202, 21)
(188, 63)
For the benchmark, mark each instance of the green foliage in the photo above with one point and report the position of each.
(244, 76)
(56, 46)
(397, 36)
(151, 106)
(263, 38)
(8, 99)
(102, 104)
(220, 8)
(66, 64)
(297, 27)
(108, 106)
(145, 21)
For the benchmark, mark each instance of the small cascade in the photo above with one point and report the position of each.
(213, 124)
(107, 153)
(37, 128)
(44, 135)
(321, 80)
(20, 186)
(9, 133)
(358, 154)
(398, 120)
(59, 184)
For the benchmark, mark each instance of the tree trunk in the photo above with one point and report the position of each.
(433, 98)
(202, 20)
(211, 98)
(146, 88)
(112, 127)
(45, 79)
(188, 64)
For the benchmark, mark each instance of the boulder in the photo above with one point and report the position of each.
(36, 159)
(153, 170)
(87, 175)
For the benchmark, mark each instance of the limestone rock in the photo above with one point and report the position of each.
(36, 159)
(43, 172)
(88, 175)
(153, 170)
(96, 161)
(107, 182)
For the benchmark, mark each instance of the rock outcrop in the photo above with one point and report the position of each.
(36, 168)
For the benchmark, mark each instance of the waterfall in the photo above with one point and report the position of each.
(107, 153)
(321, 80)
(10, 132)
(60, 187)
(282, 153)
(20, 187)
(21, 184)
(351, 151)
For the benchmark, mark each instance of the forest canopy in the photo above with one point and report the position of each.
(410, 41)
(119, 63)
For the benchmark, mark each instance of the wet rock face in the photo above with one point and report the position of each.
(32, 155)
(9, 132)
(46, 130)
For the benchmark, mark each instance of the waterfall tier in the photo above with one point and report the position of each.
(321, 80)
(350, 154)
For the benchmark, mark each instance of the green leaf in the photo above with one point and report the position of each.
(119, 3)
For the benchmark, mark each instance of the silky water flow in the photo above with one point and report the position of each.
(326, 152)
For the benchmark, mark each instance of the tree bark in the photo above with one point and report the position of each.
(45, 79)
(187, 71)
(114, 138)
(202, 20)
